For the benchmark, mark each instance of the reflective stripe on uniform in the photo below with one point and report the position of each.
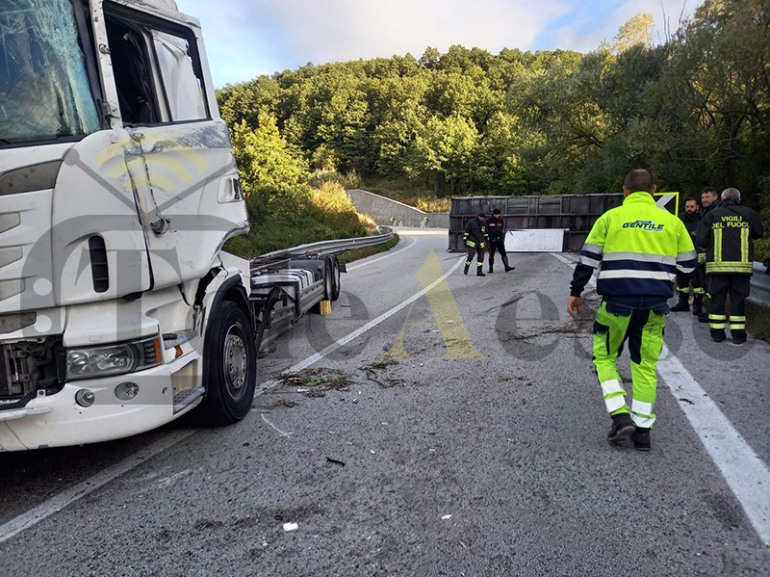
(592, 262)
(717, 247)
(641, 257)
(614, 395)
(745, 246)
(643, 422)
(729, 267)
(641, 414)
(717, 322)
(612, 387)
(593, 248)
(626, 273)
(641, 408)
(614, 403)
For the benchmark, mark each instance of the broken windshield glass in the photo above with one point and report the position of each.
(44, 89)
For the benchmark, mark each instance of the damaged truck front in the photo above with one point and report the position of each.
(119, 311)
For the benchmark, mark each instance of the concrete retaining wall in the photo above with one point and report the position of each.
(387, 212)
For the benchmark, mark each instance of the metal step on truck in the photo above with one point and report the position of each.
(119, 310)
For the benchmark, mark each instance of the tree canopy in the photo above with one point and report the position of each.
(694, 109)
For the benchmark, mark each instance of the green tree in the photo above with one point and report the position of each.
(636, 32)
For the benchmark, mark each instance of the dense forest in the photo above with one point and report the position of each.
(694, 108)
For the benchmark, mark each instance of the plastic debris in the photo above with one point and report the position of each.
(290, 527)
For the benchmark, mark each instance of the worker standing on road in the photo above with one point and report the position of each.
(709, 199)
(727, 234)
(638, 249)
(496, 232)
(475, 238)
(689, 283)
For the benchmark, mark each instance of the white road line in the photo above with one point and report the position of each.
(390, 254)
(62, 500)
(745, 473)
(358, 332)
(274, 427)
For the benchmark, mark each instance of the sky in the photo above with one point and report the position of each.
(247, 38)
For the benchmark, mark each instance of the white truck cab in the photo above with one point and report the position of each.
(119, 311)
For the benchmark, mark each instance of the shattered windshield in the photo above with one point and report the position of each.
(44, 88)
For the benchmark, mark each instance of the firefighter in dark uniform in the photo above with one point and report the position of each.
(475, 238)
(709, 200)
(496, 232)
(727, 234)
(687, 283)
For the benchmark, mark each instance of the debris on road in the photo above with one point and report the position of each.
(321, 378)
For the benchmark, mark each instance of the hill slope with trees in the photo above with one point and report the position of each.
(695, 109)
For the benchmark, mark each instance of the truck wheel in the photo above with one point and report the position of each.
(336, 280)
(229, 366)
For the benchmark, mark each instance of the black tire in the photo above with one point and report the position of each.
(229, 366)
(336, 280)
(328, 280)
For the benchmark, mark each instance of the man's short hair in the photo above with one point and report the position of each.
(639, 179)
(731, 194)
(710, 189)
(689, 198)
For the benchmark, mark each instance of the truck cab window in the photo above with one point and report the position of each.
(44, 89)
(156, 76)
(133, 80)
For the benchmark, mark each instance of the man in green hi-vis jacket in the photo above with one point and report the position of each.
(638, 249)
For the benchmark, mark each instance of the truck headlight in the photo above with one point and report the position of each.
(91, 362)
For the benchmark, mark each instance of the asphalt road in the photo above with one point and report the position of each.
(458, 431)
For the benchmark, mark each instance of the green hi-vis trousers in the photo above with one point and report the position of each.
(643, 328)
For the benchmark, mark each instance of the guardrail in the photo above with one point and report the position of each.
(325, 247)
(760, 285)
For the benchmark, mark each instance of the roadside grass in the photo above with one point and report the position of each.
(758, 321)
(325, 214)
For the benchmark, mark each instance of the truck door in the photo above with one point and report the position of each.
(178, 153)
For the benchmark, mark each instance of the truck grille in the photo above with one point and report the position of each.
(13, 373)
(30, 368)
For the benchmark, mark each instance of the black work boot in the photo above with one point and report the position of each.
(480, 272)
(739, 337)
(509, 268)
(717, 335)
(622, 428)
(465, 271)
(641, 439)
(682, 305)
(491, 268)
